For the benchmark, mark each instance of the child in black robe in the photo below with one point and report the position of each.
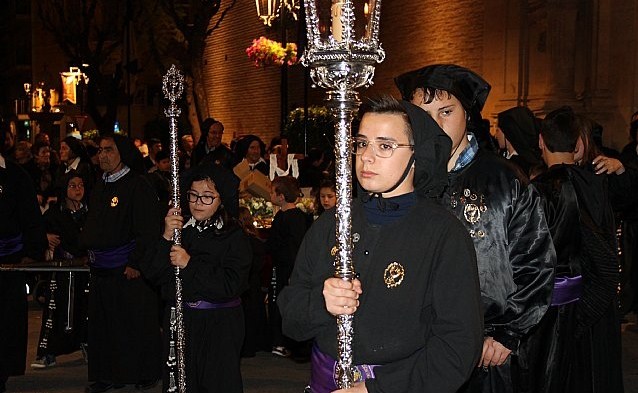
(214, 260)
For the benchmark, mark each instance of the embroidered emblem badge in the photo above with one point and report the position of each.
(393, 275)
(1, 189)
(114, 201)
(355, 237)
(472, 213)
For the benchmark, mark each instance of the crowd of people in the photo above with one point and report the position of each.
(485, 263)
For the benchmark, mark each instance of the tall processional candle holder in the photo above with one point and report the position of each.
(343, 49)
(173, 87)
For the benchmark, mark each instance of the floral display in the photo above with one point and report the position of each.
(265, 52)
(306, 205)
(258, 207)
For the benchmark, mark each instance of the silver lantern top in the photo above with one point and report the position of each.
(343, 33)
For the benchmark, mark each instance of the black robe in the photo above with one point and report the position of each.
(19, 215)
(217, 271)
(64, 323)
(576, 347)
(504, 217)
(426, 333)
(124, 335)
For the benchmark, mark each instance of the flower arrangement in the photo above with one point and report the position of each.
(265, 52)
(306, 205)
(258, 207)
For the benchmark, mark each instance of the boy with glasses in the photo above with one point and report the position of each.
(416, 304)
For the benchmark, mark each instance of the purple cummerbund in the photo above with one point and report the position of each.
(323, 372)
(567, 290)
(204, 305)
(10, 245)
(111, 258)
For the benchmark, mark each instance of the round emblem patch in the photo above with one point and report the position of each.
(393, 275)
(114, 201)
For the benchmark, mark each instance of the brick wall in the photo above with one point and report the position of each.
(482, 35)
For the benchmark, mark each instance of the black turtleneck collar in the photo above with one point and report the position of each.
(387, 210)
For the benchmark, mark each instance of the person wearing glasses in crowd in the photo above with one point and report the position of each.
(416, 300)
(120, 235)
(214, 258)
(502, 213)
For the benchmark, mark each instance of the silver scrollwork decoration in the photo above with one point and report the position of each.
(341, 65)
(173, 87)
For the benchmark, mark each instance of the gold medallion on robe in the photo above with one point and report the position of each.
(114, 201)
(393, 275)
(333, 251)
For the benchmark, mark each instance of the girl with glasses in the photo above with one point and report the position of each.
(214, 260)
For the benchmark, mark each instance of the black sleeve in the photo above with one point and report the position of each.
(158, 269)
(532, 258)
(453, 346)
(219, 281)
(301, 303)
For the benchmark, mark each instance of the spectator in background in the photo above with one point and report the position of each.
(161, 180)
(252, 150)
(312, 168)
(186, 152)
(326, 196)
(23, 152)
(42, 172)
(64, 318)
(286, 233)
(154, 147)
(73, 157)
(210, 147)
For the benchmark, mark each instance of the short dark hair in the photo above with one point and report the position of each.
(387, 105)
(559, 130)
(288, 186)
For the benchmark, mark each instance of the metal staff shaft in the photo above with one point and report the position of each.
(173, 86)
(343, 106)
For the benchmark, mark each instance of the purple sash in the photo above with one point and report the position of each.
(111, 258)
(204, 305)
(567, 290)
(323, 372)
(11, 245)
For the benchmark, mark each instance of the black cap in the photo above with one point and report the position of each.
(467, 86)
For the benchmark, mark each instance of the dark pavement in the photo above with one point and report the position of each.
(264, 373)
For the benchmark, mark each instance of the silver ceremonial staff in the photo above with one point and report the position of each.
(173, 87)
(341, 61)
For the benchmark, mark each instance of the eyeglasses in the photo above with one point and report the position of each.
(204, 199)
(74, 186)
(381, 148)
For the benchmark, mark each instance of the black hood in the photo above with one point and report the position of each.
(467, 86)
(431, 152)
(226, 183)
(521, 128)
(129, 154)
